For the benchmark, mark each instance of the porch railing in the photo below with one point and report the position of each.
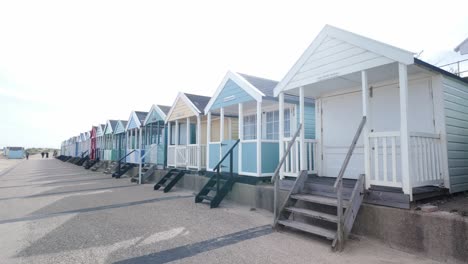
(292, 160)
(192, 155)
(171, 158)
(426, 159)
(181, 156)
(385, 158)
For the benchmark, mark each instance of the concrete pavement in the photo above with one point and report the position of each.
(55, 212)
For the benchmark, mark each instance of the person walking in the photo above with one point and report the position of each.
(47, 155)
(42, 154)
(27, 154)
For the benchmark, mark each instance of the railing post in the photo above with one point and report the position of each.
(340, 234)
(365, 112)
(302, 155)
(281, 130)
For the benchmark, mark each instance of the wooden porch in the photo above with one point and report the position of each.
(376, 194)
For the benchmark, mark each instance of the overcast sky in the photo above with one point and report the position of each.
(68, 65)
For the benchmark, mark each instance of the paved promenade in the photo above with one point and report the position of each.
(55, 212)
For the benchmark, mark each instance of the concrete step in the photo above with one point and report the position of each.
(313, 214)
(327, 233)
(318, 199)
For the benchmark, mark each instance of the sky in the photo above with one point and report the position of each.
(68, 65)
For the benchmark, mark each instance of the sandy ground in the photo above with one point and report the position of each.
(55, 212)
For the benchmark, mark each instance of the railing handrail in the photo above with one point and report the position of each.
(148, 151)
(424, 135)
(286, 153)
(226, 155)
(127, 155)
(350, 152)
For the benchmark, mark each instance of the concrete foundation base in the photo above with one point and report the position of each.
(439, 235)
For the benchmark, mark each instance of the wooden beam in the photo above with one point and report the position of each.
(208, 140)
(365, 112)
(259, 138)
(404, 132)
(199, 157)
(241, 134)
(281, 131)
(302, 135)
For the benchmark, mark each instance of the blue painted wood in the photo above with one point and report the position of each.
(309, 120)
(270, 156)
(227, 144)
(119, 128)
(249, 157)
(214, 154)
(154, 116)
(132, 123)
(231, 94)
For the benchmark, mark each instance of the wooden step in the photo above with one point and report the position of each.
(327, 233)
(318, 199)
(313, 214)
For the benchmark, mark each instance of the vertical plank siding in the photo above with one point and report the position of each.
(456, 116)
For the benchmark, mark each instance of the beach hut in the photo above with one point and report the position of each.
(120, 139)
(247, 110)
(100, 140)
(186, 126)
(14, 152)
(386, 122)
(110, 152)
(134, 137)
(155, 136)
(93, 143)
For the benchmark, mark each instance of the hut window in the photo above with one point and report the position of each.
(272, 125)
(287, 123)
(250, 127)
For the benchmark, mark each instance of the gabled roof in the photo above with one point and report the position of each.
(196, 103)
(199, 101)
(254, 86)
(138, 118)
(161, 110)
(121, 127)
(110, 124)
(266, 86)
(326, 42)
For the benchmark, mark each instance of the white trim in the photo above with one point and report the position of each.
(241, 134)
(134, 116)
(388, 51)
(182, 96)
(158, 110)
(253, 174)
(239, 80)
(404, 133)
(259, 137)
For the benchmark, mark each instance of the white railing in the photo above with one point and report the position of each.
(385, 158)
(181, 156)
(193, 151)
(292, 162)
(192, 156)
(425, 159)
(151, 153)
(171, 156)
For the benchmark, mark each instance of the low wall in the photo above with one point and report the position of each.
(439, 235)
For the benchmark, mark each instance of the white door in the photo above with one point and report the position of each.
(341, 116)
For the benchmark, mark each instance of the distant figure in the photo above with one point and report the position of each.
(47, 155)
(27, 155)
(42, 154)
(55, 153)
